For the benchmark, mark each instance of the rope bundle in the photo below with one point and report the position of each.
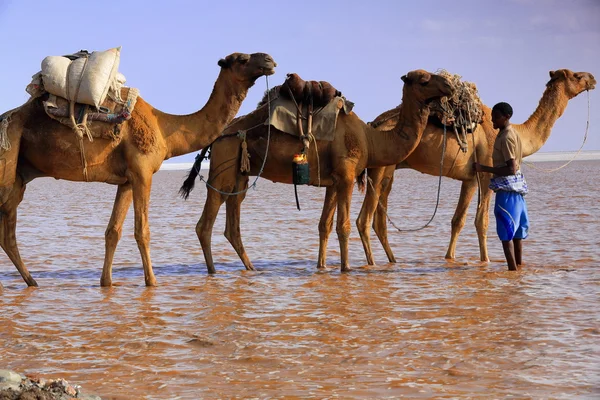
(462, 106)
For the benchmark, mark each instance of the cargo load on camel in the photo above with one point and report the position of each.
(461, 112)
(84, 91)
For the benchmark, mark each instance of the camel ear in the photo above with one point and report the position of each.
(243, 58)
(229, 60)
(426, 77)
(404, 78)
(419, 76)
(223, 63)
(554, 75)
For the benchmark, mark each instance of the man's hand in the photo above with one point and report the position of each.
(477, 167)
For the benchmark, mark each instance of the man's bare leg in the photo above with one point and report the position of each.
(509, 253)
(518, 251)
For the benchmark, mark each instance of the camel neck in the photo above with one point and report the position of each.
(187, 133)
(394, 145)
(536, 130)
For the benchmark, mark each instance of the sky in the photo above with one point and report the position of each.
(170, 49)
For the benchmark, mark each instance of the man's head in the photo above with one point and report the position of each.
(501, 114)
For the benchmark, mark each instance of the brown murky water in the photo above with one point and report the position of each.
(421, 328)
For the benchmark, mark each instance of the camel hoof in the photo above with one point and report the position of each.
(249, 268)
(345, 269)
(211, 271)
(32, 283)
(105, 282)
(321, 267)
(151, 282)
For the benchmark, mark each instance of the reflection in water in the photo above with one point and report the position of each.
(421, 328)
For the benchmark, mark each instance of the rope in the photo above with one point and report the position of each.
(83, 159)
(4, 142)
(587, 127)
(312, 137)
(262, 167)
(245, 157)
(475, 157)
(438, 194)
(384, 120)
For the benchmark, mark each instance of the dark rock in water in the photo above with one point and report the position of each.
(32, 387)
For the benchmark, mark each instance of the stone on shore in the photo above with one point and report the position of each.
(14, 386)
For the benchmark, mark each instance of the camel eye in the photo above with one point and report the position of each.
(424, 83)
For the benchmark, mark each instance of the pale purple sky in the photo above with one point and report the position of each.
(170, 49)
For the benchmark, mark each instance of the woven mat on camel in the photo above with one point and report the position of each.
(284, 117)
(103, 123)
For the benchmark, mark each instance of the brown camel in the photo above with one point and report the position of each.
(563, 86)
(355, 146)
(49, 148)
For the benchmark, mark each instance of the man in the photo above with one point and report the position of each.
(512, 222)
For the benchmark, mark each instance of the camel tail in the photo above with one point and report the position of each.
(190, 180)
(361, 181)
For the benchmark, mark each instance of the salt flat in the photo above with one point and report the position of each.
(537, 157)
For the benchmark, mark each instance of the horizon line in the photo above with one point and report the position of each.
(584, 155)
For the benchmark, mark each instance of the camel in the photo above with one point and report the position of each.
(563, 86)
(51, 149)
(355, 146)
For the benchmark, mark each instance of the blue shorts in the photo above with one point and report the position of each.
(512, 221)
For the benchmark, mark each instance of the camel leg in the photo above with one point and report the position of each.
(114, 230)
(141, 200)
(205, 225)
(482, 218)
(326, 225)
(363, 222)
(8, 229)
(380, 218)
(467, 189)
(343, 226)
(232, 224)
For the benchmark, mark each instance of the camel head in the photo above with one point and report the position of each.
(425, 87)
(574, 82)
(248, 67)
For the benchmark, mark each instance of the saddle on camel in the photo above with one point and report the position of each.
(307, 109)
(83, 91)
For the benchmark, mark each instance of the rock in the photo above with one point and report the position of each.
(33, 387)
(4, 386)
(9, 376)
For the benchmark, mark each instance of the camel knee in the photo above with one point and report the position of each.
(343, 230)
(112, 235)
(324, 227)
(232, 234)
(458, 223)
(362, 225)
(142, 237)
(204, 235)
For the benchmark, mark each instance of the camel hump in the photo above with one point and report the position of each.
(319, 92)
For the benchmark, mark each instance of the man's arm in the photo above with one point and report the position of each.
(509, 169)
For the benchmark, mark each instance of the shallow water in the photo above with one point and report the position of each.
(420, 328)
